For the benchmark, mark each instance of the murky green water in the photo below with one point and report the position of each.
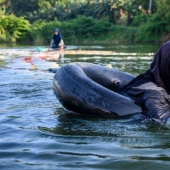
(36, 133)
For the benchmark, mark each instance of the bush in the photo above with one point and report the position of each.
(152, 29)
(13, 28)
(87, 26)
(122, 33)
(73, 30)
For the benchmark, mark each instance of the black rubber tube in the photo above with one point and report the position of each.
(92, 89)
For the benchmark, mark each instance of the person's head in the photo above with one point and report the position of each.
(56, 31)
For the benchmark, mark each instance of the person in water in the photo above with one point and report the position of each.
(151, 90)
(57, 40)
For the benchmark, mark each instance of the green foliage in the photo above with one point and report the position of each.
(152, 28)
(44, 30)
(163, 8)
(21, 8)
(139, 19)
(87, 26)
(84, 20)
(12, 28)
(122, 33)
(76, 29)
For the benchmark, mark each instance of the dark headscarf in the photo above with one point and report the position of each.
(57, 38)
(159, 71)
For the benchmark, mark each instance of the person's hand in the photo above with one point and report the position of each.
(62, 47)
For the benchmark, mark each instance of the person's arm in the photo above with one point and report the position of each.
(61, 44)
(154, 100)
(157, 105)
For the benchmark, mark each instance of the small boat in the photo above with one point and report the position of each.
(93, 90)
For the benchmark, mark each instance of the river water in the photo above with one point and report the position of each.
(37, 134)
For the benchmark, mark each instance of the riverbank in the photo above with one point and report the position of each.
(82, 30)
(109, 34)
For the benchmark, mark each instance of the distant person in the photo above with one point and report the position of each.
(57, 40)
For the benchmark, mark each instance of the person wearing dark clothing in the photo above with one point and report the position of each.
(57, 40)
(151, 90)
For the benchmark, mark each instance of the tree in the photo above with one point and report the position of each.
(13, 27)
(163, 8)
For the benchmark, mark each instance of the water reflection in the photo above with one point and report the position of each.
(55, 58)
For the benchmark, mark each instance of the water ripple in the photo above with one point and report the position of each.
(36, 133)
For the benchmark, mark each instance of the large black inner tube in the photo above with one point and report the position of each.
(93, 90)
